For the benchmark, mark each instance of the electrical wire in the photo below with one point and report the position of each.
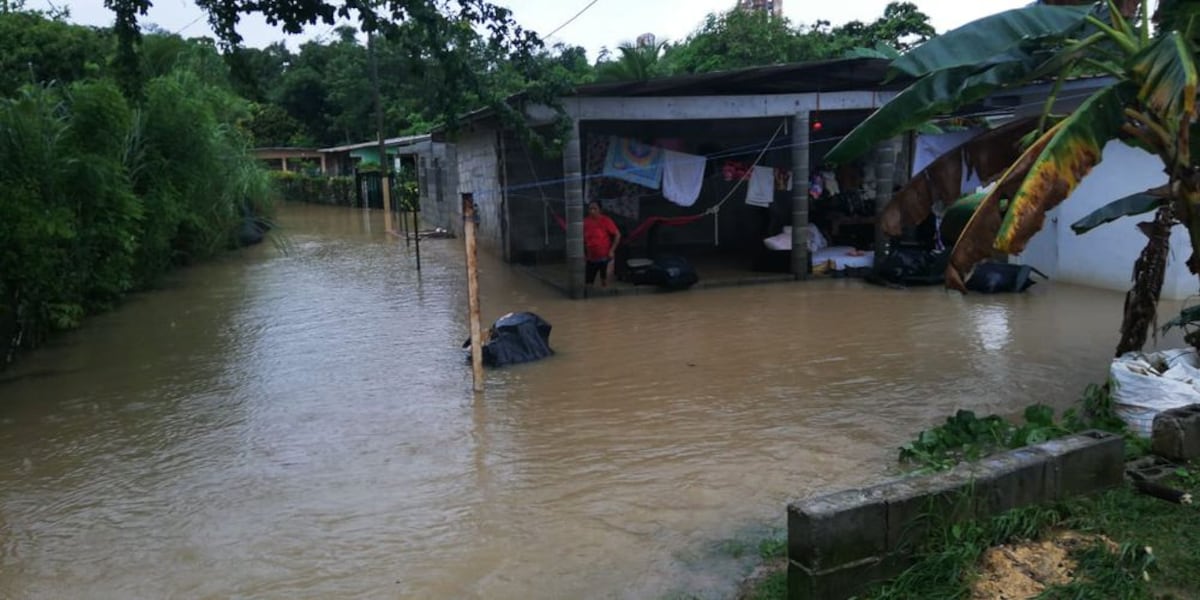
(572, 19)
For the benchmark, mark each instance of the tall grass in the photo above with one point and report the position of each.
(100, 197)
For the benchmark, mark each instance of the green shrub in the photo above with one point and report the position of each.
(102, 197)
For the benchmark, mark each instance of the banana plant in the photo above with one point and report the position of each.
(1151, 61)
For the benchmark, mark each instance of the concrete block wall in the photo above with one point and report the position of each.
(535, 189)
(437, 172)
(840, 543)
(1175, 434)
(478, 174)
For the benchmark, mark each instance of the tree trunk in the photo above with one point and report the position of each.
(1141, 302)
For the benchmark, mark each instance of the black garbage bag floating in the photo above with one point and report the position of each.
(668, 272)
(996, 278)
(910, 266)
(517, 337)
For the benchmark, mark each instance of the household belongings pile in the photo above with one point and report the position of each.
(1147, 384)
(517, 337)
(670, 273)
(825, 258)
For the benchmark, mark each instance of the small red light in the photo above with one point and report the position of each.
(817, 126)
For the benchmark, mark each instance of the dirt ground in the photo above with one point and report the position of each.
(1022, 571)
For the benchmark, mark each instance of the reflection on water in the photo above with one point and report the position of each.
(302, 425)
(991, 322)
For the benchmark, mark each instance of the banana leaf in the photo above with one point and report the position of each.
(986, 155)
(1129, 206)
(978, 236)
(1076, 147)
(927, 98)
(982, 39)
(1167, 70)
(957, 215)
(1187, 316)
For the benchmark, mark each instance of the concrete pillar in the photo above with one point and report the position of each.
(324, 171)
(574, 210)
(800, 141)
(284, 159)
(885, 180)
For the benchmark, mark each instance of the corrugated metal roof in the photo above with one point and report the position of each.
(794, 78)
(389, 142)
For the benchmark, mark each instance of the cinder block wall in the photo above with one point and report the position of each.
(840, 543)
(478, 174)
(535, 196)
(437, 172)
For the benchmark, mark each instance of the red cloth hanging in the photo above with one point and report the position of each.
(652, 221)
(642, 227)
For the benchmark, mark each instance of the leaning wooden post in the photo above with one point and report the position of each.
(468, 209)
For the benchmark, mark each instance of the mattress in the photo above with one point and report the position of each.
(840, 258)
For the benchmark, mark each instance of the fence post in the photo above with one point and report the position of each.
(468, 209)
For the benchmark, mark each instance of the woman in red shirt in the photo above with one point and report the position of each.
(600, 239)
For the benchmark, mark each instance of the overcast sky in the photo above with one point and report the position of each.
(607, 23)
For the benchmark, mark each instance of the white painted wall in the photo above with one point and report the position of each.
(1104, 257)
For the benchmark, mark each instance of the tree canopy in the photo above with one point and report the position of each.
(740, 38)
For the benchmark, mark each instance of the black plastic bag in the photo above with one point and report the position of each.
(669, 272)
(516, 338)
(910, 266)
(993, 278)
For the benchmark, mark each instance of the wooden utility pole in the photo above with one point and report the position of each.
(384, 179)
(468, 209)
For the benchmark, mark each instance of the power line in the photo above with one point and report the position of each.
(572, 19)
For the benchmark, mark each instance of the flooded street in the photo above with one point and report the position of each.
(302, 425)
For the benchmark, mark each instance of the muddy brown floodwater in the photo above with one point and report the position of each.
(301, 424)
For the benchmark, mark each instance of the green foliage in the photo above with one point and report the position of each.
(1129, 206)
(945, 560)
(738, 39)
(967, 437)
(636, 63)
(1188, 320)
(296, 187)
(34, 49)
(1158, 552)
(1104, 575)
(103, 194)
(772, 548)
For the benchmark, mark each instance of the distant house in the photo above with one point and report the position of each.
(781, 118)
(784, 118)
(417, 156)
(290, 159)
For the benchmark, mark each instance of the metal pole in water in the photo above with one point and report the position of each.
(468, 208)
(417, 235)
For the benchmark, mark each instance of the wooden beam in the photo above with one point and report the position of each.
(670, 108)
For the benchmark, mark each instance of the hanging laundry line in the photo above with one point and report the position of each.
(713, 210)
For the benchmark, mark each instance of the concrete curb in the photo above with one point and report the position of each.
(840, 543)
